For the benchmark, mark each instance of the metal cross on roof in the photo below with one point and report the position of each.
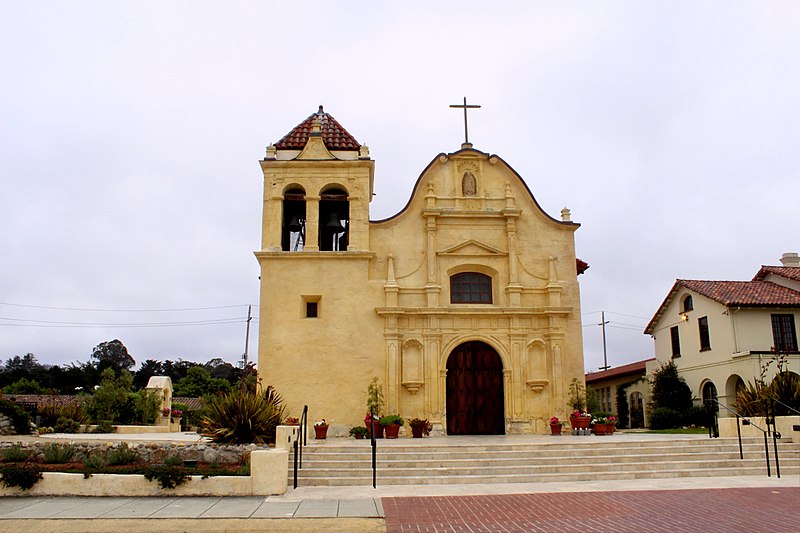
(465, 107)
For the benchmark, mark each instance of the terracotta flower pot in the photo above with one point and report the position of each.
(579, 422)
(416, 432)
(601, 429)
(392, 431)
(321, 432)
(378, 428)
(555, 429)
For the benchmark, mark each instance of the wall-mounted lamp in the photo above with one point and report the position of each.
(684, 317)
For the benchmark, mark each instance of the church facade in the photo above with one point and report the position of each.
(465, 305)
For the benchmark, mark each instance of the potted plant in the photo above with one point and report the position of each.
(358, 432)
(555, 426)
(292, 421)
(580, 420)
(420, 427)
(375, 403)
(166, 411)
(604, 425)
(321, 429)
(391, 425)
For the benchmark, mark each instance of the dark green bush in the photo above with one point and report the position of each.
(122, 455)
(104, 426)
(168, 477)
(58, 453)
(699, 415)
(67, 425)
(19, 417)
(92, 464)
(23, 476)
(665, 418)
(243, 417)
(16, 454)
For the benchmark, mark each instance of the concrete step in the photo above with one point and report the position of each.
(573, 460)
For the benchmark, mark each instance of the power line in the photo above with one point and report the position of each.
(142, 325)
(126, 310)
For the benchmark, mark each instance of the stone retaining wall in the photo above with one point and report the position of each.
(149, 452)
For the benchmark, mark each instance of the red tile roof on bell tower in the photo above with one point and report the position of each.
(334, 135)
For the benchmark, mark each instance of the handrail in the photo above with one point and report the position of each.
(300, 440)
(747, 422)
(374, 445)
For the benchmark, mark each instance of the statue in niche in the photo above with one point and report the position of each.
(468, 184)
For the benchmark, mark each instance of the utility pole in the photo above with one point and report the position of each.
(603, 323)
(247, 336)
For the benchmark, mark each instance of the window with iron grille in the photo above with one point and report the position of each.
(471, 288)
(784, 335)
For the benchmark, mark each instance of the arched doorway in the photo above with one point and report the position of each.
(710, 396)
(636, 409)
(475, 391)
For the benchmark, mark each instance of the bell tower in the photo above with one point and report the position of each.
(317, 188)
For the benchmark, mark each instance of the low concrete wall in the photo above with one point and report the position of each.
(783, 424)
(267, 477)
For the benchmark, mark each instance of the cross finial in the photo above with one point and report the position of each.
(466, 130)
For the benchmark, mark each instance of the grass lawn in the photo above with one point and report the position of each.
(678, 431)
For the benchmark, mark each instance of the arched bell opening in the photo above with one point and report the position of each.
(334, 220)
(293, 229)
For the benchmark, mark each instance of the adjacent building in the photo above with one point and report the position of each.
(721, 334)
(633, 377)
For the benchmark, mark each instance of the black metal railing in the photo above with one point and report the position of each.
(374, 423)
(744, 421)
(300, 441)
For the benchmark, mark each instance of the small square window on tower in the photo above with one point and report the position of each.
(311, 306)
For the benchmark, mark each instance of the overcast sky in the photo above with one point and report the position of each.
(130, 135)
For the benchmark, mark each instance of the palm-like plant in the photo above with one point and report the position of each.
(244, 416)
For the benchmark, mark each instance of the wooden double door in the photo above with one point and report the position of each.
(475, 403)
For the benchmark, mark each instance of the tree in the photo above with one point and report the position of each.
(671, 399)
(198, 382)
(149, 368)
(112, 354)
(25, 386)
(111, 397)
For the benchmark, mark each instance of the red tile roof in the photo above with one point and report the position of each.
(625, 370)
(744, 293)
(784, 272)
(334, 135)
(733, 294)
(581, 265)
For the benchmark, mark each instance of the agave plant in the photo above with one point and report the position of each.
(244, 416)
(784, 387)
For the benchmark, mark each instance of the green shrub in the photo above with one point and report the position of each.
(16, 454)
(358, 430)
(122, 455)
(243, 417)
(699, 415)
(50, 412)
(168, 477)
(23, 476)
(67, 425)
(391, 419)
(25, 386)
(665, 418)
(58, 453)
(146, 406)
(104, 426)
(173, 460)
(111, 397)
(19, 417)
(92, 464)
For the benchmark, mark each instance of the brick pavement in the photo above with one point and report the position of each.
(741, 510)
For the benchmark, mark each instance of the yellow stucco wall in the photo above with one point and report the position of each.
(384, 304)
